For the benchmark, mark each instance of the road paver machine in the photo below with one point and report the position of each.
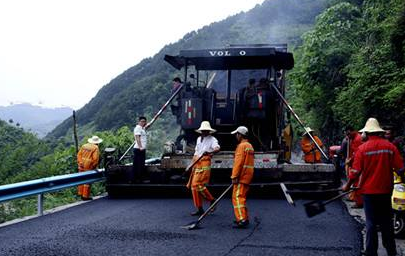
(229, 87)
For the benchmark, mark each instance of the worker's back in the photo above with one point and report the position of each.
(88, 157)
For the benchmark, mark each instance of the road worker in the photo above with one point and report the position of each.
(374, 163)
(200, 175)
(242, 174)
(176, 84)
(250, 91)
(398, 141)
(354, 140)
(138, 163)
(311, 152)
(87, 159)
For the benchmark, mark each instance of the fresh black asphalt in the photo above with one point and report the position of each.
(152, 227)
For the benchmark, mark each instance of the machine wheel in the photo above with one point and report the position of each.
(399, 224)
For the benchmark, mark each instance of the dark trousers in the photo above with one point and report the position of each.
(377, 208)
(138, 167)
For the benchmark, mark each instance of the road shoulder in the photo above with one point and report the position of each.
(359, 216)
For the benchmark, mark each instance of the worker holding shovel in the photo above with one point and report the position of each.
(374, 163)
(311, 153)
(201, 167)
(242, 175)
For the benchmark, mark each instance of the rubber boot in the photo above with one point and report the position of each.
(200, 211)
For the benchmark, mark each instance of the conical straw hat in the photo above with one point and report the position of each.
(205, 126)
(95, 140)
(371, 126)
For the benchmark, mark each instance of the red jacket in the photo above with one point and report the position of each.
(355, 144)
(375, 161)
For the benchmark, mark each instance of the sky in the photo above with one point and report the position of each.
(57, 53)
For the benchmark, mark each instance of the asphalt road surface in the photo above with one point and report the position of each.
(152, 227)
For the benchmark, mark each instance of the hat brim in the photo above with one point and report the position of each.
(375, 130)
(235, 132)
(95, 141)
(211, 130)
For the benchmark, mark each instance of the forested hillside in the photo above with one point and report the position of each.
(18, 151)
(143, 89)
(351, 66)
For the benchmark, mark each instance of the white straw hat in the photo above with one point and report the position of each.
(205, 126)
(371, 126)
(95, 140)
(307, 130)
(241, 129)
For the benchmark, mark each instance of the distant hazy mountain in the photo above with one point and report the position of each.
(39, 120)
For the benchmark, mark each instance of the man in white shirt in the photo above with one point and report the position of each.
(139, 150)
(176, 84)
(200, 176)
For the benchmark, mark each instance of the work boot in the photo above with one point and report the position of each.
(244, 223)
(199, 212)
(241, 224)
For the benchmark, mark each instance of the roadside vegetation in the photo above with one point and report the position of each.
(351, 66)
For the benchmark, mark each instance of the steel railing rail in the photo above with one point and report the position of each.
(46, 185)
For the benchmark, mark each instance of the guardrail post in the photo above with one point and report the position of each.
(40, 205)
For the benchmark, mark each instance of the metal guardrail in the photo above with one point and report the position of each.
(46, 185)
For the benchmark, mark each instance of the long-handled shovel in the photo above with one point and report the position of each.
(314, 208)
(194, 224)
(296, 116)
(287, 194)
(155, 117)
(188, 168)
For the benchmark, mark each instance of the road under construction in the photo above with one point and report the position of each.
(153, 227)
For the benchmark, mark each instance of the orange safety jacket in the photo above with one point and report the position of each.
(311, 152)
(244, 162)
(88, 157)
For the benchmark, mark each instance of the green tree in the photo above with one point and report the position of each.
(320, 72)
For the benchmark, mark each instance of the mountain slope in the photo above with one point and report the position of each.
(143, 88)
(38, 119)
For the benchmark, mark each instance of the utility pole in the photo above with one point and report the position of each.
(75, 132)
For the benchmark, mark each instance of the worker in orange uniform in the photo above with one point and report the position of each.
(200, 175)
(311, 152)
(354, 141)
(242, 175)
(87, 159)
